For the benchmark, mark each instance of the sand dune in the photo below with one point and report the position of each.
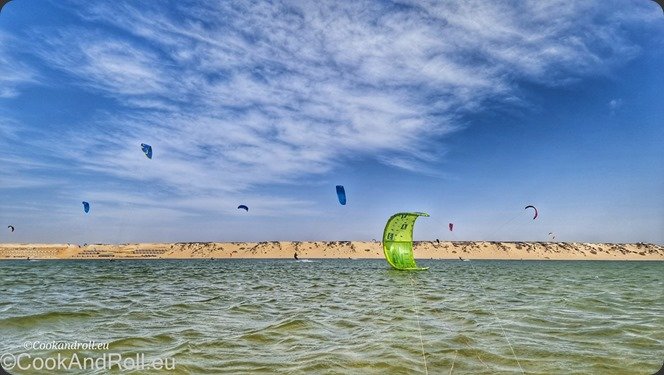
(337, 249)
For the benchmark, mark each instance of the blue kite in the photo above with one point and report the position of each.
(341, 194)
(147, 149)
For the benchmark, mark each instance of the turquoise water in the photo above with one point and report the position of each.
(342, 316)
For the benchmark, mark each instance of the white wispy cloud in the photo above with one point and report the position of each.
(14, 73)
(237, 94)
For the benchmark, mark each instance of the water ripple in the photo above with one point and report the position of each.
(343, 316)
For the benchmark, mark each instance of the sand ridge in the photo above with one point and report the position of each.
(337, 249)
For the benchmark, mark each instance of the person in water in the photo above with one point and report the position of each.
(295, 256)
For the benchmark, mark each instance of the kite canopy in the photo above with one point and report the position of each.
(533, 207)
(10, 227)
(341, 194)
(398, 240)
(243, 207)
(86, 207)
(451, 226)
(147, 150)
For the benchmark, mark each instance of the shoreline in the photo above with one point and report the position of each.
(450, 250)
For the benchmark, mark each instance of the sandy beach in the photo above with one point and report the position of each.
(336, 249)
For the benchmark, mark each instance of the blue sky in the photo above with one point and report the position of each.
(466, 110)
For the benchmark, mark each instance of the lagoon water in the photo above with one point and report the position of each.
(341, 316)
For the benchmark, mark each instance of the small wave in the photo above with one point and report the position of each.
(209, 299)
(141, 342)
(47, 317)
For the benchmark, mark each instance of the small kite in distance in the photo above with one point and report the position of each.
(341, 194)
(10, 227)
(243, 207)
(451, 226)
(147, 150)
(2, 3)
(86, 207)
(533, 207)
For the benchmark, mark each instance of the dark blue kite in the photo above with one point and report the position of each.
(147, 149)
(86, 207)
(341, 194)
(243, 207)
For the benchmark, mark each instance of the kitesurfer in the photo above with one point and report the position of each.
(295, 256)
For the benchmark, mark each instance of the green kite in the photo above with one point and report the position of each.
(398, 241)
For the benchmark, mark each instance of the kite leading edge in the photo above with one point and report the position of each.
(534, 208)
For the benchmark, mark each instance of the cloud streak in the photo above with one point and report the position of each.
(234, 95)
(267, 92)
(15, 73)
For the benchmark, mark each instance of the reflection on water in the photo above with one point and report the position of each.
(345, 316)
